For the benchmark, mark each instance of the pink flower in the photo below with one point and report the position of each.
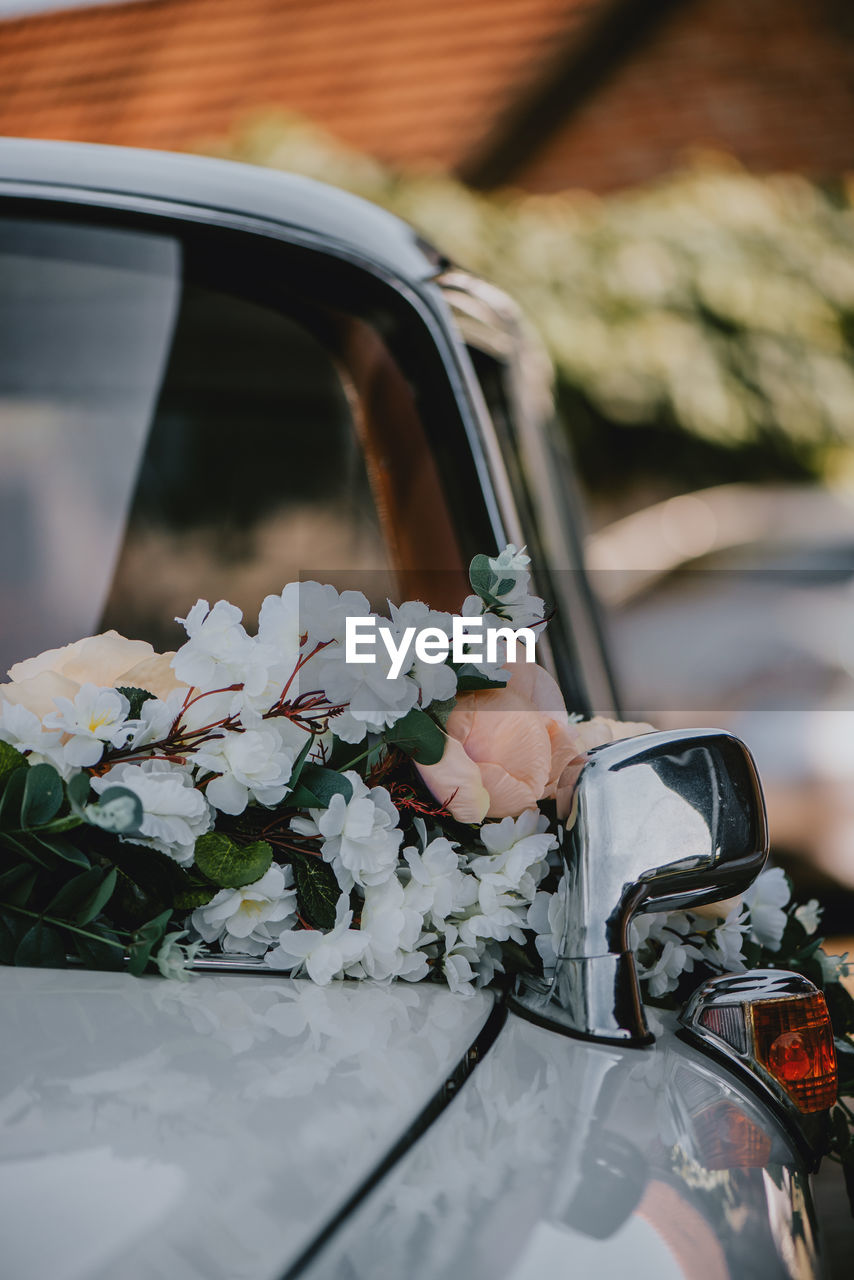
(589, 734)
(506, 748)
(108, 661)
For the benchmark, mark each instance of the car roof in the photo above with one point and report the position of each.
(356, 227)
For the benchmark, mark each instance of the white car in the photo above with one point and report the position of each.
(213, 378)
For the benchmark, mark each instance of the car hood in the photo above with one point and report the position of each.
(203, 1129)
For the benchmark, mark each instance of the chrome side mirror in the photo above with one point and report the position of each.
(659, 822)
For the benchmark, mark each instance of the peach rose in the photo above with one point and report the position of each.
(589, 734)
(108, 661)
(506, 748)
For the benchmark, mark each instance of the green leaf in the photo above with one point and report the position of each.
(136, 697)
(324, 783)
(505, 585)
(12, 797)
(300, 762)
(419, 736)
(441, 711)
(481, 576)
(17, 885)
(231, 865)
(149, 881)
(83, 898)
(118, 810)
(100, 955)
(10, 759)
(196, 893)
(10, 936)
(317, 890)
(78, 790)
(41, 946)
(470, 680)
(43, 795)
(145, 940)
(63, 849)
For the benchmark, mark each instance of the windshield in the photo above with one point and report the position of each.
(177, 422)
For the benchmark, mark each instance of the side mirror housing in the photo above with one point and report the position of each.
(660, 822)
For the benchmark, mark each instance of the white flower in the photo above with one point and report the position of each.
(518, 849)
(22, 729)
(249, 920)
(511, 562)
(833, 968)
(361, 835)
(219, 653)
(676, 958)
(253, 765)
(156, 718)
(324, 611)
(175, 814)
(547, 916)
(808, 915)
(371, 699)
(438, 886)
(458, 971)
(394, 932)
(728, 939)
(497, 917)
(512, 588)
(174, 956)
(436, 680)
(663, 937)
(766, 898)
(92, 718)
(324, 956)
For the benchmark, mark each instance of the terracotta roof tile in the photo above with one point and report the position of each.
(403, 79)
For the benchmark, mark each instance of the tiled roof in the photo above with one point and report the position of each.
(406, 80)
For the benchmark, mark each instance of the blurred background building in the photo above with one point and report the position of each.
(663, 186)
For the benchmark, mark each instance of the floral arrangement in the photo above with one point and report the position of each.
(397, 815)
(267, 796)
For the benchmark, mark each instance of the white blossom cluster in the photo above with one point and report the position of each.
(234, 681)
(416, 906)
(229, 717)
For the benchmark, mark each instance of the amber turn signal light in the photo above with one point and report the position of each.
(776, 1024)
(793, 1040)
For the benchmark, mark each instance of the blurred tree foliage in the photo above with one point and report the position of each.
(702, 327)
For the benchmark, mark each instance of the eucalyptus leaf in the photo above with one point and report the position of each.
(118, 810)
(62, 848)
(12, 797)
(78, 790)
(43, 795)
(99, 954)
(42, 947)
(80, 900)
(481, 576)
(16, 885)
(229, 864)
(9, 937)
(145, 940)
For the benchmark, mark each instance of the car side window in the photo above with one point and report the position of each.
(176, 424)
